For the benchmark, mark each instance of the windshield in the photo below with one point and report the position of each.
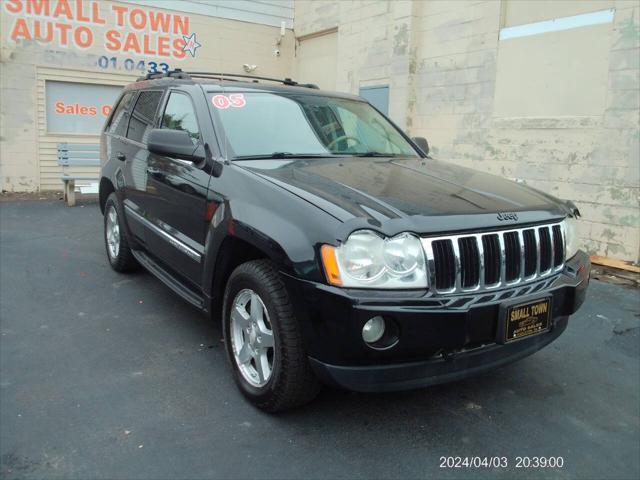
(267, 124)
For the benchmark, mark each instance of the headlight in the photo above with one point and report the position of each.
(368, 260)
(361, 257)
(572, 243)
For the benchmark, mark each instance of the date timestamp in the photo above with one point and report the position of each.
(501, 462)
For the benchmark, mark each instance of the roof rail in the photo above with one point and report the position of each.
(178, 73)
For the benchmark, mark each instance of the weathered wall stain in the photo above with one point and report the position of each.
(401, 40)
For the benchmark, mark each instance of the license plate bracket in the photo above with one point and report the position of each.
(525, 319)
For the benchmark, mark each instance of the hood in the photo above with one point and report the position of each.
(383, 190)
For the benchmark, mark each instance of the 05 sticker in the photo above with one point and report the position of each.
(222, 102)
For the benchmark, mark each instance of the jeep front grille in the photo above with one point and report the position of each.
(489, 260)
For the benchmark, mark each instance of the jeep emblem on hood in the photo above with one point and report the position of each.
(508, 216)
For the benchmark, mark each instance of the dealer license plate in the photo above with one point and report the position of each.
(527, 319)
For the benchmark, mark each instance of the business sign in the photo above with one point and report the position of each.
(78, 107)
(111, 27)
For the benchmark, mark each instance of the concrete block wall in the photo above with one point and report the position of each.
(18, 156)
(442, 62)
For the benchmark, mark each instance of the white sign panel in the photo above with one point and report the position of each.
(78, 107)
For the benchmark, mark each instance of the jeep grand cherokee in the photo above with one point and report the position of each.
(333, 247)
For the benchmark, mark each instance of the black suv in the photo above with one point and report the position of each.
(333, 247)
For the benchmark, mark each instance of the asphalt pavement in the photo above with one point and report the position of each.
(104, 375)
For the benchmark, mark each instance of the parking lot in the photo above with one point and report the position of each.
(112, 376)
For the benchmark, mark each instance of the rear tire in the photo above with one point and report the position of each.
(263, 340)
(116, 239)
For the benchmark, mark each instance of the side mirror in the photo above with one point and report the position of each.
(174, 143)
(422, 143)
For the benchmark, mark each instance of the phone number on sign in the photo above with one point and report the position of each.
(130, 64)
(501, 462)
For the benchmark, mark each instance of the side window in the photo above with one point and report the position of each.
(142, 117)
(118, 122)
(179, 114)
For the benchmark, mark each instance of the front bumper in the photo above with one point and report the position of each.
(440, 338)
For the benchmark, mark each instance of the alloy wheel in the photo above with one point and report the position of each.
(252, 338)
(113, 232)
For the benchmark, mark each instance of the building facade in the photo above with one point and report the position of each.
(63, 62)
(546, 92)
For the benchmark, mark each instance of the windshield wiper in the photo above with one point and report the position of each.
(285, 155)
(279, 155)
(377, 154)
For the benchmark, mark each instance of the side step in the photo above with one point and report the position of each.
(165, 277)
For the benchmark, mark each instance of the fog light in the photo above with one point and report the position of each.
(373, 330)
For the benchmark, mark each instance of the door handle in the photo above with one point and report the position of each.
(121, 156)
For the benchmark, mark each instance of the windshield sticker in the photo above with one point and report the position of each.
(223, 102)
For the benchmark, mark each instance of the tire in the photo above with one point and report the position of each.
(116, 240)
(290, 381)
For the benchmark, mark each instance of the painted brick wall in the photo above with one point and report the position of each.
(441, 59)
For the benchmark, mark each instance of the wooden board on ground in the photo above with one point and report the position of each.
(613, 263)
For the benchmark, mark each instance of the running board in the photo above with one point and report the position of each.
(165, 277)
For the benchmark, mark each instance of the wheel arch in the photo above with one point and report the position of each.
(106, 189)
(232, 252)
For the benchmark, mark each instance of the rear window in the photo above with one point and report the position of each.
(118, 121)
(143, 115)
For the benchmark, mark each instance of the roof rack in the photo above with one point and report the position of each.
(178, 73)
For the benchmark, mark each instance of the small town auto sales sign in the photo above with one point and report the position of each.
(118, 29)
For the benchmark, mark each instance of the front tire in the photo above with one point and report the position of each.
(263, 340)
(116, 240)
